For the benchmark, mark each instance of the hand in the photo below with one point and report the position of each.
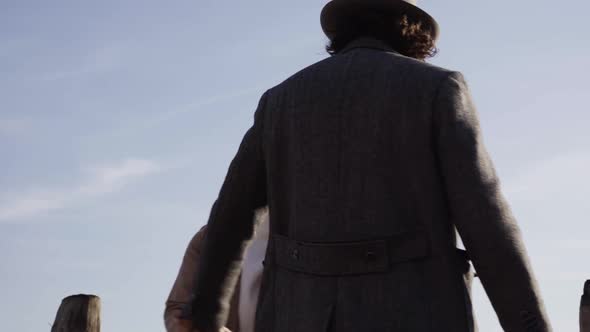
(223, 329)
(185, 325)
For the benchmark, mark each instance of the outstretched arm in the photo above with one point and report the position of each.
(180, 294)
(181, 291)
(481, 214)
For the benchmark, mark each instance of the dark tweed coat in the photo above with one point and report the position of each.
(369, 161)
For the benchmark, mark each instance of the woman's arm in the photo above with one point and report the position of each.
(181, 291)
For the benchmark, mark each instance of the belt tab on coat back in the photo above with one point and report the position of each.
(349, 258)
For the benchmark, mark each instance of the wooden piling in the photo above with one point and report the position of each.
(585, 309)
(78, 313)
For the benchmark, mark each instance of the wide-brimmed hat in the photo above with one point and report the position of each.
(336, 12)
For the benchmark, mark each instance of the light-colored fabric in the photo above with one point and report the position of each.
(252, 274)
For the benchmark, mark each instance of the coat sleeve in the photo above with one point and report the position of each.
(480, 212)
(230, 228)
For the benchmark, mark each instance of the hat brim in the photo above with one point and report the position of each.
(336, 12)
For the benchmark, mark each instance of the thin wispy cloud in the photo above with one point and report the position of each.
(149, 122)
(555, 192)
(101, 180)
(552, 178)
(14, 126)
(207, 101)
(297, 46)
(198, 105)
(95, 61)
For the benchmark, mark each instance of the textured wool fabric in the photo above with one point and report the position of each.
(361, 146)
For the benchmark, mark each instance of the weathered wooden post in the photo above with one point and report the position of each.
(78, 313)
(585, 309)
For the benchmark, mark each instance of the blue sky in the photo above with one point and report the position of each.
(118, 121)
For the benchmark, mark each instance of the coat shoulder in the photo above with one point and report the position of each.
(364, 61)
(397, 65)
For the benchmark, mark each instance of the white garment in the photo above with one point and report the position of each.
(252, 272)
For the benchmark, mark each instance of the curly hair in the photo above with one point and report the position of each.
(407, 35)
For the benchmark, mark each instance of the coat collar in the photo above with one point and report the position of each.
(367, 42)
